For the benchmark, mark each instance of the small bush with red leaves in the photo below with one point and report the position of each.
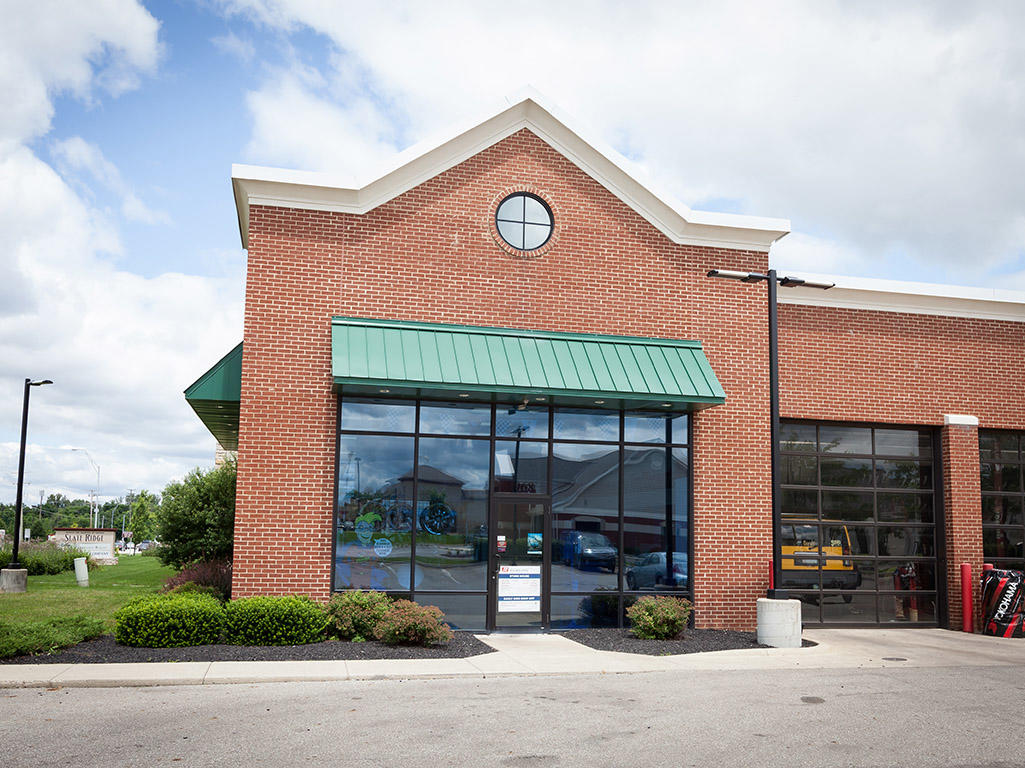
(408, 623)
(215, 574)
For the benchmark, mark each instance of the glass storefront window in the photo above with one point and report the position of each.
(656, 519)
(521, 467)
(527, 423)
(375, 498)
(378, 415)
(574, 424)
(455, 419)
(452, 514)
(585, 517)
(642, 427)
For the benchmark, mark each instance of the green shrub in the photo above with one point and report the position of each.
(264, 620)
(659, 618)
(18, 639)
(216, 574)
(44, 559)
(169, 621)
(409, 623)
(192, 588)
(355, 615)
(151, 552)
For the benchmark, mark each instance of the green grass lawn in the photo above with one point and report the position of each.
(110, 587)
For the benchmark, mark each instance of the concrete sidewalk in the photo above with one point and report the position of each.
(524, 655)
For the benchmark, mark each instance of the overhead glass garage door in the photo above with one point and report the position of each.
(858, 538)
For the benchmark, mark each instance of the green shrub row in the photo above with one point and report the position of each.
(191, 614)
(46, 636)
(45, 559)
(359, 616)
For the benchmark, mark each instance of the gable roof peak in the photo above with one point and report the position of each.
(525, 108)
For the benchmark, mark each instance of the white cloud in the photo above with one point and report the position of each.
(76, 155)
(892, 128)
(233, 45)
(120, 347)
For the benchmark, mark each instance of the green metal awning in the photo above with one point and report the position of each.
(373, 357)
(215, 398)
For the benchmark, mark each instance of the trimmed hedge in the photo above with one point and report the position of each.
(355, 615)
(47, 636)
(409, 623)
(659, 618)
(265, 620)
(45, 559)
(169, 621)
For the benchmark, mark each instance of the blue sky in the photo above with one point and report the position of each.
(890, 136)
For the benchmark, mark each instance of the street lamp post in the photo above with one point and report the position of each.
(14, 564)
(787, 282)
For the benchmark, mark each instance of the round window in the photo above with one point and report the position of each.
(524, 221)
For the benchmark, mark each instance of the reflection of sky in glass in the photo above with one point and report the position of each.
(533, 417)
(466, 460)
(380, 461)
(586, 425)
(651, 427)
(455, 419)
(378, 416)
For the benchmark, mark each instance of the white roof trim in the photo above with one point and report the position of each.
(908, 297)
(254, 185)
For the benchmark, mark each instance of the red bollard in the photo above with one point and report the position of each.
(772, 575)
(967, 607)
(987, 567)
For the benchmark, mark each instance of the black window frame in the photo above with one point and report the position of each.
(625, 596)
(523, 222)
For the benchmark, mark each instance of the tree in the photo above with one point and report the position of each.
(142, 516)
(197, 517)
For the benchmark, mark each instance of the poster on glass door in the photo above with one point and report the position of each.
(519, 588)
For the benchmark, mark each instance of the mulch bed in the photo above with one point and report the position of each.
(694, 641)
(104, 651)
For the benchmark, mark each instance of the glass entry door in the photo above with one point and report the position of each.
(520, 564)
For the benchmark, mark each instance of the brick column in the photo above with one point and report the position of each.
(962, 506)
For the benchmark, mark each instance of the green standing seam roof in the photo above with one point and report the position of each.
(215, 397)
(434, 357)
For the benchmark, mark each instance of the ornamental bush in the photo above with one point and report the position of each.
(215, 574)
(169, 621)
(264, 620)
(659, 618)
(20, 638)
(192, 588)
(409, 623)
(355, 615)
(45, 559)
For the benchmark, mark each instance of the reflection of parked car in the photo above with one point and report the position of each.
(651, 571)
(583, 549)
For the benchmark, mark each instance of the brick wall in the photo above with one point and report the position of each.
(429, 255)
(891, 367)
(962, 506)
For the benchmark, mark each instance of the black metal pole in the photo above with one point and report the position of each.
(774, 428)
(21, 480)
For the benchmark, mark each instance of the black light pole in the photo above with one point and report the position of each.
(14, 564)
(773, 280)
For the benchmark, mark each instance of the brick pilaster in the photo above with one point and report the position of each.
(962, 505)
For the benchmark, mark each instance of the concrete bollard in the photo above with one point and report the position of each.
(81, 572)
(779, 623)
(13, 580)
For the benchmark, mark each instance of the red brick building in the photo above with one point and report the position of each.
(497, 378)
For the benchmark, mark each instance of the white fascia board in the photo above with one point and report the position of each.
(907, 297)
(254, 185)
